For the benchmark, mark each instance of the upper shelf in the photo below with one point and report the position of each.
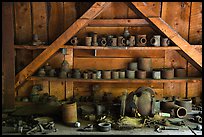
(29, 47)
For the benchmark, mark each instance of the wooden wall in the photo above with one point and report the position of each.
(50, 19)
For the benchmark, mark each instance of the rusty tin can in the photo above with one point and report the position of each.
(133, 66)
(167, 73)
(145, 64)
(180, 72)
(88, 41)
(141, 74)
(106, 74)
(122, 74)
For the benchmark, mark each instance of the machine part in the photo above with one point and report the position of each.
(141, 101)
(158, 129)
(156, 74)
(63, 74)
(198, 119)
(106, 74)
(126, 33)
(145, 64)
(85, 75)
(115, 74)
(133, 66)
(77, 124)
(141, 40)
(114, 42)
(98, 74)
(69, 113)
(155, 106)
(155, 40)
(95, 38)
(104, 127)
(77, 74)
(52, 73)
(31, 131)
(130, 74)
(180, 72)
(186, 103)
(122, 74)
(165, 42)
(141, 74)
(109, 40)
(65, 66)
(167, 73)
(164, 114)
(132, 41)
(178, 111)
(100, 109)
(74, 41)
(123, 102)
(89, 127)
(93, 75)
(88, 41)
(103, 41)
(121, 41)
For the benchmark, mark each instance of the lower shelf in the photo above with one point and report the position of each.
(147, 80)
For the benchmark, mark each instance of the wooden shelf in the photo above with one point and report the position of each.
(29, 47)
(147, 80)
(97, 47)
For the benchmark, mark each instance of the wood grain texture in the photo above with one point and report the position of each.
(8, 59)
(195, 34)
(46, 54)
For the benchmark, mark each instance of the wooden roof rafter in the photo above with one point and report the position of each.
(92, 13)
(188, 51)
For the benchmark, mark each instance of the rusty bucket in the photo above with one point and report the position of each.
(69, 113)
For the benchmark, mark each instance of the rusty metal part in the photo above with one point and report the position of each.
(198, 119)
(123, 102)
(165, 42)
(41, 72)
(85, 75)
(74, 41)
(103, 41)
(155, 106)
(141, 40)
(155, 40)
(186, 103)
(98, 74)
(93, 75)
(133, 66)
(77, 73)
(35, 129)
(121, 41)
(130, 74)
(106, 74)
(141, 74)
(132, 41)
(63, 74)
(167, 73)
(178, 111)
(180, 72)
(95, 42)
(114, 42)
(88, 41)
(145, 64)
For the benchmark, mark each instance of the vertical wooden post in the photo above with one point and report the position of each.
(8, 63)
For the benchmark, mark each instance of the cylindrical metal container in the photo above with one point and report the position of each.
(88, 41)
(74, 41)
(165, 42)
(168, 106)
(115, 74)
(141, 40)
(98, 74)
(122, 74)
(167, 73)
(155, 40)
(130, 74)
(63, 74)
(145, 64)
(106, 74)
(114, 42)
(121, 41)
(132, 41)
(133, 66)
(69, 113)
(180, 72)
(85, 75)
(94, 75)
(186, 103)
(95, 42)
(77, 73)
(141, 74)
(156, 74)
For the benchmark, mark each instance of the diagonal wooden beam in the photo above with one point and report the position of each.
(83, 21)
(150, 16)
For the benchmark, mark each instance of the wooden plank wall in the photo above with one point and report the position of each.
(50, 19)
